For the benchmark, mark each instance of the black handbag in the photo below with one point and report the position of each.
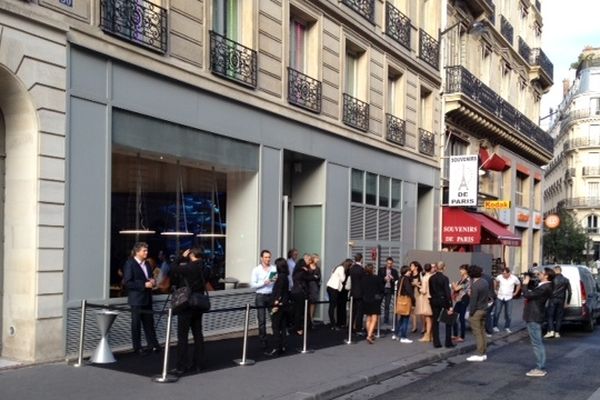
(200, 301)
(183, 298)
(180, 299)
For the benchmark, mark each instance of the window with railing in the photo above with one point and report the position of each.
(137, 21)
(429, 49)
(365, 8)
(397, 25)
(426, 142)
(355, 111)
(303, 89)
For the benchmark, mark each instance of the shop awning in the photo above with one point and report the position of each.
(460, 227)
(492, 162)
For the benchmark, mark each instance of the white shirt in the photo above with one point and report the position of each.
(336, 281)
(291, 266)
(258, 278)
(506, 287)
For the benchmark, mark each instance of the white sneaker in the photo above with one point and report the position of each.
(496, 330)
(476, 358)
(394, 337)
(556, 335)
(538, 373)
(507, 330)
(548, 335)
(405, 340)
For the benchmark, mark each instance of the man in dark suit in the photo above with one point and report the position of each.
(439, 290)
(389, 277)
(138, 280)
(357, 273)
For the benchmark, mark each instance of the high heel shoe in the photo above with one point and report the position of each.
(414, 330)
(370, 339)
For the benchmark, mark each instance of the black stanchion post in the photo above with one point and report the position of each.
(350, 322)
(81, 335)
(305, 350)
(244, 361)
(164, 378)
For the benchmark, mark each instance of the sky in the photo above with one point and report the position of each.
(569, 26)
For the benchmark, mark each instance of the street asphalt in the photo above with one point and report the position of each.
(332, 370)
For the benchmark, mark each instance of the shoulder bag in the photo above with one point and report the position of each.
(403, 302)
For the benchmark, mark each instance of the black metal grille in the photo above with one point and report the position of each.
(538, 5)
(524, 49)
(429, 49)
(506, 29)
(232, 60)
(304, 91)
(356, 113)
(587, 171)
(460, 80)
(137, 21)
(397, 25)
(426, 142)
(491, 4)
(366, 8)
(538, 57)
(396, 130)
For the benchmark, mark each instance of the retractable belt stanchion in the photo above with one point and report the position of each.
(244, 360)
(81, 335)
(394, 308)
(305, 336)
(164, 378)
(350, 322)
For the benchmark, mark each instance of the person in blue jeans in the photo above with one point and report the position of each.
(405, 288)
(460, 296)
(507, 286)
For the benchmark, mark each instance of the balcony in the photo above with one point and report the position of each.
(524, 50)
(396, 130)
(460, 80)
(429, 49)
(581, 142)
(356, 113)
(366, 8)
(426, 142)
(581, 202)
(540, 60)
(397, 25)
(591, 171)
(570, 173)
(538, 5)
(304, 91)
(231, 60)
(136, 21)
(506, 29)
(574, 115)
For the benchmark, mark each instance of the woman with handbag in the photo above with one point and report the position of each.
(404, 303)
(423, 307)
(281, 303)
(415, 280)
(372, 296)
(193, 275)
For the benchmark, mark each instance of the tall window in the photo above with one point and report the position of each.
(395, 94)
(595, 104)
(426, 109)
(298, 44)
(486, 57)
(520, 190)
(592, 223)
(593, 190)
(505, 73)
(352, 73)
(227, 15)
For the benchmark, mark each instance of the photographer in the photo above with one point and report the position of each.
(533, 315)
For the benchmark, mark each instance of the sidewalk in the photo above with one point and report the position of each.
(332, 370)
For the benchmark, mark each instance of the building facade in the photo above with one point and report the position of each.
(495, 75)
(234, 125)
(573, 176)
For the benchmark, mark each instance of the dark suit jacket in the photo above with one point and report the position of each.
(357, 273)
(439, 290)
(382, 272)
(535, 302)
(134, 281)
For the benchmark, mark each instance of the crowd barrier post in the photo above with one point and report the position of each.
(350, 322)
(81, 335)
(305, 350)
(244, 361)
(164, 378)
(394, 308)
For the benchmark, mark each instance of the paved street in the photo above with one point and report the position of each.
(572, 373)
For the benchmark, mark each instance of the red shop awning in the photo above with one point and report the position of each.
(492, 162)
(460, 227)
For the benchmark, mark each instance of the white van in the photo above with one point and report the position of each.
(584, 307)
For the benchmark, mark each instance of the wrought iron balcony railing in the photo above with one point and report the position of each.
(137, 21)
(575, 115)
(581, 202)
(491, 4)
(506, 29)
(232, 60)
(366, 8)
(426, 142)
(538, 57)
(304, 91)
(538, 5)
(396, 130)
(524, 50)
(591, 171)
(460, 80)
(578, 142)
(356, 113)
(429, 49)
(397, 25)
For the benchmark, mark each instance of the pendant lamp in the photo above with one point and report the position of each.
(139, 228)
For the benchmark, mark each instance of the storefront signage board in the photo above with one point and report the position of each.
(464, 181)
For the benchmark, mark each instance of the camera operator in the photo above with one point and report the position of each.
(533, 315)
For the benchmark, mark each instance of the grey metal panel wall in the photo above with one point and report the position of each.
(336, 217)
(270, 200)
(409, 216)
(89, 149)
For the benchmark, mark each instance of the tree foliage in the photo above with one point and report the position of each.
(566, 243)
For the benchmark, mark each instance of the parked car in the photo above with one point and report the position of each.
(584, 307)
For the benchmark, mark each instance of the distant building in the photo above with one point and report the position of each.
(573, 175)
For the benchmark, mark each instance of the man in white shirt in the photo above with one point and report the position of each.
(507, 286)
(262, 279)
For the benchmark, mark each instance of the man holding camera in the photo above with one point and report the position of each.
(533, 315)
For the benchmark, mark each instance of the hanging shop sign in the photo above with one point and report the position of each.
(464, 181)
(552, 221)
(496, 204)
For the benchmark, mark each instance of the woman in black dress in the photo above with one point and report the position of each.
(314, 286)
(372, 294)
(279, 311)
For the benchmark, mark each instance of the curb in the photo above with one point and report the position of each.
(353, 383)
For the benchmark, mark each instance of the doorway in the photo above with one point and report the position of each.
(308, 222)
